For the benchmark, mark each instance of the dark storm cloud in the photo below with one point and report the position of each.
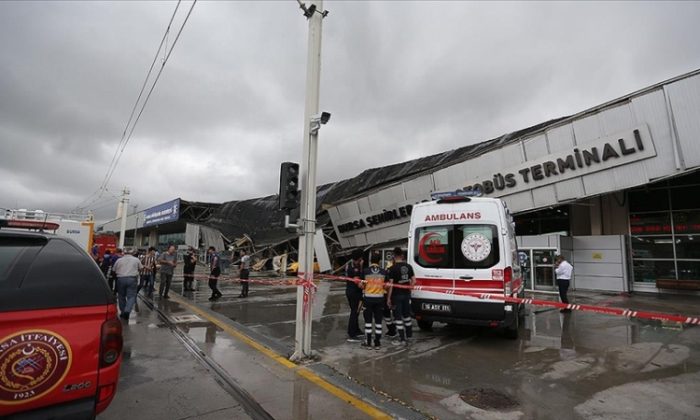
(402, 79)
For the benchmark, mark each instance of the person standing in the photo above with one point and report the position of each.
(168, 262)
(106, 263)
(244, 273)
(190, 263)
(112, 276)
(563, 271)
(399, 298)
(373, 287)
(148, 272)
(215, 265)
(126, 270)
(353, 293)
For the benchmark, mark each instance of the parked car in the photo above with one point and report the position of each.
(60, 338)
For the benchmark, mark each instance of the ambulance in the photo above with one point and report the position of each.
(460, 246)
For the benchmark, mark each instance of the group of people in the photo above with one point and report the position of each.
(129, 272)
(374, 292)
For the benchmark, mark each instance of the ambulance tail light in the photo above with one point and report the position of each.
(507, 281)
(504, 275)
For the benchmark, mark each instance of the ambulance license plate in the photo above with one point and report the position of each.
(437, 307)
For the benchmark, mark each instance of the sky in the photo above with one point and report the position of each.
(401, 79)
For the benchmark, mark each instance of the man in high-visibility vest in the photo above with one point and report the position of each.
(373, 286)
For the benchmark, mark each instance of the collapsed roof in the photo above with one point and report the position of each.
(261, 219)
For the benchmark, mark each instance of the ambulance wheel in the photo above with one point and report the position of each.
(512, 329)
(425, 325)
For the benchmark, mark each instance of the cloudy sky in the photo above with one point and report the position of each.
(401, 79)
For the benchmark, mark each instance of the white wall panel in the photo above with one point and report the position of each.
(561, 138)
(587, 129)
(418, 188)
(447, 178)
(512, 155)
(598, 269)
(536, 147)
(483, 167)
(615, 284)
(520, 201)
(597, 242)
(387, 197)
(651, 109)
(685, 103)
(613, 120)
(606, 255)
(363, 205)
(544, 196)
(348, 210)
(569, 189)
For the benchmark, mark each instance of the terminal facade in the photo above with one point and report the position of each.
(615, 188)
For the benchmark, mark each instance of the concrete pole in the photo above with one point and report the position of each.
(302, 342)
(136, 225)
(124, 207)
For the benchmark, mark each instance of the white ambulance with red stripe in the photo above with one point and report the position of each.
(461, 246)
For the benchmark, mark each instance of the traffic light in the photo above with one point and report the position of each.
(289, 186)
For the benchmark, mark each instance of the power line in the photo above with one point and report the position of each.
(100, 190)
(143, 107)
(125, 138)
(138, 99)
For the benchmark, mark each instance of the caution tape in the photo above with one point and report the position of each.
(310, 285)
(627, 313)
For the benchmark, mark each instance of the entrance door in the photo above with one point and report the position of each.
(543, 269)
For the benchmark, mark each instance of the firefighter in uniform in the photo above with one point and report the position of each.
(373, 287)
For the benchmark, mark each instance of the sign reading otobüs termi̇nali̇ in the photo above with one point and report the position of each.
(603, 153)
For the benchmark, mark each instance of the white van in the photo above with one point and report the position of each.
(464, 244)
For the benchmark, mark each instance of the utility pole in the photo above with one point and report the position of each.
(125, 210)
(305, 292)
(136, 225)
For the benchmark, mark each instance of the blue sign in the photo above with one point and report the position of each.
(162, 213)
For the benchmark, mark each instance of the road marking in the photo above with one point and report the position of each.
(302, 371)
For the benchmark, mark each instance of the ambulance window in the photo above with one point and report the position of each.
(433, 247)
(476, 246)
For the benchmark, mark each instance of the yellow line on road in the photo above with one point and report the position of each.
(302, 371)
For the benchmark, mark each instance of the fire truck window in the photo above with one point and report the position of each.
(433, 247)
(476, 246)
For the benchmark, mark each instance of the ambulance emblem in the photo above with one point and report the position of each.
(32, 364)
(476, 247)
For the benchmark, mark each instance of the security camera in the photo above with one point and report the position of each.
(323, 117)
(308, 12)
(317, 120)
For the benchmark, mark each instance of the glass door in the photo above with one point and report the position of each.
(543, 269)
(525, 257)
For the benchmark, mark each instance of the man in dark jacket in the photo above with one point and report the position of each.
(190, 262)
(353, 292)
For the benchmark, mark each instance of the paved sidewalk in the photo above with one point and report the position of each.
(161, 379)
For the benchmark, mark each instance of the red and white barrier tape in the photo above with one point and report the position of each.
(628, 313)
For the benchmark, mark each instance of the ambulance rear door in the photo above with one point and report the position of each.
(431, 256)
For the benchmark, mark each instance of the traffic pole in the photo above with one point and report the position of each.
(305, 291)
(125, 207)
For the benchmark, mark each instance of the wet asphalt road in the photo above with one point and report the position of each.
(578, 365)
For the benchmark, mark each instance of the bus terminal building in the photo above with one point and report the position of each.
(615, 188)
